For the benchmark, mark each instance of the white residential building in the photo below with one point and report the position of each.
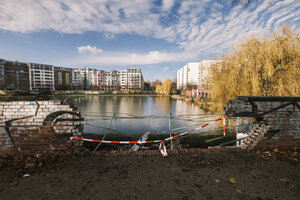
(128, 79)
(91, 77)
(77, 77)
(194, 75)
(112, 80)
(132, 79)
(41, 76)
(101, 78)
(108, 80)
(86, 78)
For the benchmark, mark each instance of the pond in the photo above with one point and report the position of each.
(139, 114)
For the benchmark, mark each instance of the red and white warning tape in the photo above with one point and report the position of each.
(224, 125)
(163, 151)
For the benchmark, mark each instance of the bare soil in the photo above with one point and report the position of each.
(223, 175)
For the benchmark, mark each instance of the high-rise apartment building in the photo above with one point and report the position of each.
(132, 79)
(41, 76)
(91, 78)
(112, 80)
(77, 77)
(129, 79)
(108, 80)
(2, 74)
(101, 78)
(34, 76)
(194, 75)
(63, 78)
(14, 75)
(85, 78)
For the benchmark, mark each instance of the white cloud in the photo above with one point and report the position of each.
(93, 50)
(199, 28)
(167, 4)
(109, 36)
(125, 58)
(165, 69)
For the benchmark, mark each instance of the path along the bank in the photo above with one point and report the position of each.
(196, 175)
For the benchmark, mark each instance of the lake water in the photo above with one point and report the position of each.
(139, 114)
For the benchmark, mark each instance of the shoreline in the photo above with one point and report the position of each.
(59, 96)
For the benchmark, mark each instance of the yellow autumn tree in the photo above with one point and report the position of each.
(158, 89)
(165, 88)
(258, 67)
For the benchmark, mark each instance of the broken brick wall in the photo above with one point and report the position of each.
(284, 122)
(37, 126)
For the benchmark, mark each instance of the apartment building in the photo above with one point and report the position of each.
(77, 77)
(108, 80)
(112, 80)
(91, 78)
(62, 78)
(14, 75)
(35, 76)
(85, 78)
(194, 75)
(41, 76)
(2, 73)
(131, 79)
(101, 78)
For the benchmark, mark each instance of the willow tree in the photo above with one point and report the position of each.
(165, 88)
(259, 67)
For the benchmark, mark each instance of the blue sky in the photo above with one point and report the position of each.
(159, 36)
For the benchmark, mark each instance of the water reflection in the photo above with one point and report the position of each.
(92, 107)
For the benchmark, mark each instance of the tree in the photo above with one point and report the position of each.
(159, 89)
(147, 85)
(259, 67)
(165, 88)
(155, 83)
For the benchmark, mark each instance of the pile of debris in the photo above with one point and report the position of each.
(292, 154)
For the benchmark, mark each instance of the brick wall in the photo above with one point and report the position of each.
(40, 126)
(284, 122)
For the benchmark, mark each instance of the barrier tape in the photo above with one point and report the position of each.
(163, 151)
(224, 125)
(135, 147)
(147, 142)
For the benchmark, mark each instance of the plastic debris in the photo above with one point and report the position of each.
(284, 180)
(239, 191)
(232, 180)
(291, 154)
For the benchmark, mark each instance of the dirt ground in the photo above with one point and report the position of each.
(224, 175)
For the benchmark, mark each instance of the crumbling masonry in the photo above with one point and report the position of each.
(280, 114)
(37, 126)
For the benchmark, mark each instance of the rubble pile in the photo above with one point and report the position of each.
(211, 162)
(292, 154)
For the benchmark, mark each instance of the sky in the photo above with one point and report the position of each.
(158, 36)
